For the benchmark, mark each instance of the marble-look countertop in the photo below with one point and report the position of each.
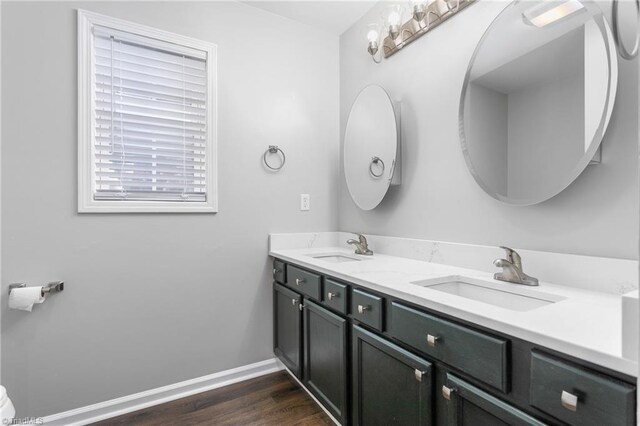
(584, 324)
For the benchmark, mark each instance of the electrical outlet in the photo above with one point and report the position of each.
(305, 202)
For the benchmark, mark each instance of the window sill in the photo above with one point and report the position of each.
(146, 207)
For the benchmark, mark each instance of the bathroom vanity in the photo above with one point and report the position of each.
(420, 343)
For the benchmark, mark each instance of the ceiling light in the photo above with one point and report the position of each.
(550, 12)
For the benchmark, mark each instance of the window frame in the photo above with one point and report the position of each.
(86, 130)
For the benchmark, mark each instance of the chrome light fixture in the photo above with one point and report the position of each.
(393, 20)
(419, 9)
(373, 37)
(397, 31)
(550, 12)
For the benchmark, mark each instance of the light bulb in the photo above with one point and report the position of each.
(372, 35)
(393, 18)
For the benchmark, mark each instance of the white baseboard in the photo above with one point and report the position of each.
(138, 401)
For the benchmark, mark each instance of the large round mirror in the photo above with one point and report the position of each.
(537, 98)
(370, 147)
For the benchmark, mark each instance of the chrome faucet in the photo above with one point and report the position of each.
(512, 269)
(362, 247)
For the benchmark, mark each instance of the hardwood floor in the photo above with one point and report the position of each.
(274, 399)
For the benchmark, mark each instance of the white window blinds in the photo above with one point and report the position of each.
(149, 117)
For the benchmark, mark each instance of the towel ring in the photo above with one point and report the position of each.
(624, 52)
(376, 160)
(273, 149)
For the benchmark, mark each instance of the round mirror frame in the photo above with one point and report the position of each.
(609, 44)
(625, 52)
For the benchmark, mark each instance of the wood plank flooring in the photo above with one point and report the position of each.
(274, 399)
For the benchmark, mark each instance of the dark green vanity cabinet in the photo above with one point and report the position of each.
(287, 328)
(325, 358)
(469, 405)
(279, 271)
(368, 309)
(335, 296)
(375, 359)
(304, 282)
(480, 355)
(578, 396)
(391, 386)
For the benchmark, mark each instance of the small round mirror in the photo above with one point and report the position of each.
(370, 147)
(537, 98)
(626, 23)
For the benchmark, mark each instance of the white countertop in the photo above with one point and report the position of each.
(586, 324)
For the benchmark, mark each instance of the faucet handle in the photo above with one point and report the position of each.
(513, 256)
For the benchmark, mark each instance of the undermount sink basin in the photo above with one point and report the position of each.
(335, 257)
(515, 299)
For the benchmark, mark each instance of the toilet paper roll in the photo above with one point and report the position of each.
(24, 298)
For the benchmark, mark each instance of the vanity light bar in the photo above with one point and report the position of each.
(550, 12)
(426, 16)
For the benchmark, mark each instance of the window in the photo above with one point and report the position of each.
(146, 119)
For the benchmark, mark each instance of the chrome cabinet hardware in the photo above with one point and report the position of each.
(432, 340)
(569, 401)
(418, 374)
(362, 308)
(294, 302)
(331, 296)
(447, 392)
(300, 281)
(301, 306)
(276, 271)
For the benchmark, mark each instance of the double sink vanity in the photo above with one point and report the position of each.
(381, 340)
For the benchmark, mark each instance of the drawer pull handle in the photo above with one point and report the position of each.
(294, 302)
(418, 374)
(362, 308)
(299, 281)
(332, 296)
(276, 271)
(569, 401)
(301, 306)
(447, 392)
(432, 340)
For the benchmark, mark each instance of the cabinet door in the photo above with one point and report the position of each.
(287, 328)
(470, 406)
(325, 365)
(390, 385)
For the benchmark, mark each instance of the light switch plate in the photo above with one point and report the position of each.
(305, 202)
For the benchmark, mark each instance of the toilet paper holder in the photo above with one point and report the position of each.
(50, 288)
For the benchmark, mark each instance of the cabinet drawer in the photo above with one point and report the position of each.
(578, 396)
(477, 354)
(279, 271)
(367, 308)
(335, 296)
(305, 282)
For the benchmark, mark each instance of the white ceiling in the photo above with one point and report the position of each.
(334, 17)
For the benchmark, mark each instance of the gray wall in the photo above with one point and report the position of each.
(151, 300)
(543, 141)
(439, 199)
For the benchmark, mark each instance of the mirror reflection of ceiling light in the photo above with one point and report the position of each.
(550, 12)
